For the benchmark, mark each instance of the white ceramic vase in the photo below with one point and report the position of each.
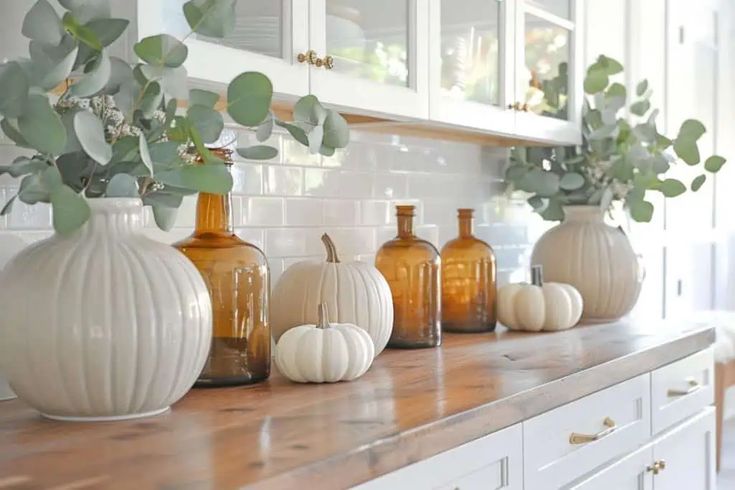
(105, 323)
(595, 258)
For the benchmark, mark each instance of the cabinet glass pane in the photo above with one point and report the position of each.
(258, 28)
(545, 74)
(556, 7)
(470, 67)
(369, 39)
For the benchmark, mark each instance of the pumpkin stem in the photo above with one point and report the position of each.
(537, 275)
(331, 249)
(323, 314)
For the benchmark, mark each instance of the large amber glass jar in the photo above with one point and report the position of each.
(236, 273)
(412, 268)
(468, 281)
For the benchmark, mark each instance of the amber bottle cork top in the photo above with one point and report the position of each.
(465, 212)
(405, 210)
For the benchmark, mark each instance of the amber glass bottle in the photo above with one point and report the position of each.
(236, 273)
(412, 268)
(468, 281)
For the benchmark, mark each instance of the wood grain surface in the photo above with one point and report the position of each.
(412, 404)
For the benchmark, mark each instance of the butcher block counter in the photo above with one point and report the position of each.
(410, 406)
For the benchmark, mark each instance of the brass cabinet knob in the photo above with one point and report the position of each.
(516, 106)
(328, 62)
(309, 57)
(657, 467)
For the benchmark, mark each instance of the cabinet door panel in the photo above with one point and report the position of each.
(471, 63)
(268, 36)
(378, 51)
(548, 71)
(688, 452)
(628, 473)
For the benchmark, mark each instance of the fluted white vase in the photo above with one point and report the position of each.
(595, 258)
(105, 323)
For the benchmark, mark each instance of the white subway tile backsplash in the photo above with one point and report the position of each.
(285, 204)
(341, 212)
(304, 212)
(265, 211)
(283, 181)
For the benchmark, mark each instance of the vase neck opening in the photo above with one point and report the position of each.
(583, 213)
(404, 217)
(115, 214)
(214, 214)
(464, 218)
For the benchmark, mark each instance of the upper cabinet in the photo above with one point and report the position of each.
(509, 68)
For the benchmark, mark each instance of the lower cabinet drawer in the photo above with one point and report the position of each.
(681, 389)
(568, 442)
(491, 462)
(628, 473)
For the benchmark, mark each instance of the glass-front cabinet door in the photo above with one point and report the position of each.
(548, 95)
(371, 55)
(268, 37)
(471, 63)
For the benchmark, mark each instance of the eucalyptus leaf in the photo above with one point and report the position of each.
(106, 30)
(249, 98)
(308, 109)
(691, 129)
(214, 18)
(41, 126)
(698, 182)
(50, 72)
(8, 206)
(258, 152)
(553, 211)
(41, 23)
(32, 189)
(687, 150)
(70, 210)
(13, 88)
(616, 91)
(640, 108)
(208, 122)
(714, 163)
(151, 99)
(145, 154)
(298, 133)
(595, 81)
(641, 88)
(91, 136)
(12, 132)
(265, 129)
(641, 211)
(122, 185)
(672, 188)
(81, 32)
(173, 81)
(164, 216)
(571, 181)
(205, 98)
(22, 166)
(315, 137)
(96, 76)
(161, 50)
(211, 178)
(336, 131)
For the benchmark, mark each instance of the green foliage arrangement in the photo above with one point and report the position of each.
(620, 158)
(115, 130)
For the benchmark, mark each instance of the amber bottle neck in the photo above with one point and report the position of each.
(214, 214)
(465, 227)
(405, 226)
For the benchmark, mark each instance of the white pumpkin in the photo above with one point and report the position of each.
(325, 352)
(354, 292)
(539, 306)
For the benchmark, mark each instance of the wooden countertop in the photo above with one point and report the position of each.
(409, 406)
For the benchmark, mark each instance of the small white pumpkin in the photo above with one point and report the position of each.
(355, 293)
(324, 353)
(539, 306)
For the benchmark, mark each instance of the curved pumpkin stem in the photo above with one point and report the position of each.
(537, 275)
(323, 314)
(331, 249)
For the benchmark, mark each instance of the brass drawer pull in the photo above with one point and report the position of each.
(657, 467)
(693, 386)
(576, 438)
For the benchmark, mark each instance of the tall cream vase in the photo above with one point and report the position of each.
(595, 258)
(105, 323)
